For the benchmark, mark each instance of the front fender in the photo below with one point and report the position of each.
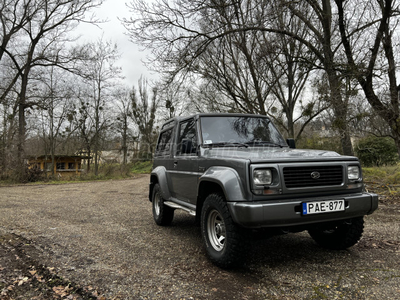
(160, 173)
(228, 179)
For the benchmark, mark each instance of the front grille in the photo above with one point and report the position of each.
(297, 177)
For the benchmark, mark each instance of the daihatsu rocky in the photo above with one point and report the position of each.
(237, 175)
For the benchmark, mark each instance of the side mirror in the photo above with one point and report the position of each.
(291, 143)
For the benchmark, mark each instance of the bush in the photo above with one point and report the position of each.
(374, 174)
(377, 151)
(142, 167)
(115, 170)
(33, 175)
(320, 143)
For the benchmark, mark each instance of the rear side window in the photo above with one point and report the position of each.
(187, 141)
(164, 143)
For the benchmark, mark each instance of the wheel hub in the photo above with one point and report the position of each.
(216, 230)
(219, 229)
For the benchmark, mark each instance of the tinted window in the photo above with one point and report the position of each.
(187, 141)
(164, 142)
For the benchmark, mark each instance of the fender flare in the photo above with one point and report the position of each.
(160, 173)
(228, 179)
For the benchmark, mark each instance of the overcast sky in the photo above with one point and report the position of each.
(131, 57)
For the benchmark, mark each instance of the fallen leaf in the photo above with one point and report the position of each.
(21, 282)
(61, 290)
(39, 278)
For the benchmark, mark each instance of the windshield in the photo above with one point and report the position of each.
(220, 130)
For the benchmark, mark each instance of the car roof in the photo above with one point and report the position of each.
(180, 118)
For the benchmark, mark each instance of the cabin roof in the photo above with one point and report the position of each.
(57, 157)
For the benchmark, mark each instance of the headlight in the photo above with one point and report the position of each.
(353, 172)
(262, 177)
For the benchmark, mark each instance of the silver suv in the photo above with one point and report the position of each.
(237, 175)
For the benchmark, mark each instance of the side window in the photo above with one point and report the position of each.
(164, 143)
(187, 141)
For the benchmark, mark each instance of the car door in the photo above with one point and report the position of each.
(184, 174)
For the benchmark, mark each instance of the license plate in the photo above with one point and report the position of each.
(321, 207)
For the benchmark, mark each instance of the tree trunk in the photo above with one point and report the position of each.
(21, 172)
(96, 166)
(397, 141)
(124, 142)
(88, 160)
(340, 108)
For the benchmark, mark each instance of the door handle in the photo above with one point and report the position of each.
(175, 164)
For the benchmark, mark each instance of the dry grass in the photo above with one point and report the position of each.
(383, 180)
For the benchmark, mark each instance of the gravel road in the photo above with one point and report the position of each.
(100, 238)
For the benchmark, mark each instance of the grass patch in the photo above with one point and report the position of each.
(383, 180)
(389, 174)
(142, 167)
(105, 172)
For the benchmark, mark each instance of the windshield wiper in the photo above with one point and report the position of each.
(227, 144)
(265, 143)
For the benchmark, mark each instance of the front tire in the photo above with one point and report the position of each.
(222, 238)
(339, 236)
(162, 214)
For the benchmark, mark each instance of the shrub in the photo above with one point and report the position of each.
(377, 151)
(320, 143)
(33, 175)
(142, 167)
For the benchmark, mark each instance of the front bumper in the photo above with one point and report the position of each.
(284, 213)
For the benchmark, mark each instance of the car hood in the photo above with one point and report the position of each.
(260, 154)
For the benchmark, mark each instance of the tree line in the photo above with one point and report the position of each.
(307, 64)
(292, 60)
(59, 96)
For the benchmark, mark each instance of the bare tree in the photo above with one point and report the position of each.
(123, 120)
(57, 96)
(226, 45)
(14, 16)
(373, 62)
(42, 40)
(323, 41)
(175, 99)
(177, 38)
(100, 75)
(144, 111)
(291, 69)
(8, 132)
(84, 123)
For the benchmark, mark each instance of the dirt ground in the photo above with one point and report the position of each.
(98, 241)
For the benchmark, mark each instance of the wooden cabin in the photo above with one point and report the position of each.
(64, 166)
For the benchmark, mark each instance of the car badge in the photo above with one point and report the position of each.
(315, 175)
